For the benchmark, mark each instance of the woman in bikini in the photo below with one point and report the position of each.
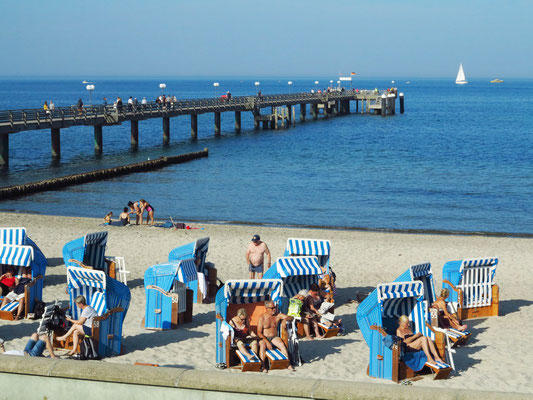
(243, 334)
(149, 210)
(136, 209)
(417, 341)
(446, 319)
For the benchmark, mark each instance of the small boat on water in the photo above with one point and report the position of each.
(461, 78)
(496, 81)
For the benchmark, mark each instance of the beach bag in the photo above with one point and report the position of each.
(88, 349)
(38, 309)
(295, 307)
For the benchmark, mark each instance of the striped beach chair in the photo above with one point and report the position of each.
(18, 250)
(168, 301)
(110, 299)
(310, 247)
(377, 317)
(473, 293)
(249, 294)
(88, 250)
(207, 274)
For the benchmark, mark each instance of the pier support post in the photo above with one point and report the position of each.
(356, 106)
(272, 126)
(383, 105)
(256, 114)
(392, 104)
(98, 141)
(302, 111)
(166, 130)
(347, 107)
(217, 123)
(194, 126)
(134, 136)
(326, 109)
(4, 150)
(56, 144)
(265, 125)
(401, 103)
(289, 115)
(337, 109)
(314, 111)
(237, 121)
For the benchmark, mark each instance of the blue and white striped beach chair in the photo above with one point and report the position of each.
(110, 299)
(168, 301)
(378, 315)
(206, 275)
(310, 247)
(249, 294)
(88, 250)
(18, 250)
(473, 293)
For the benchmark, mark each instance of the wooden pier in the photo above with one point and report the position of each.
(282, 109)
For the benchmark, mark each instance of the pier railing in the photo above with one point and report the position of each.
(23, 119)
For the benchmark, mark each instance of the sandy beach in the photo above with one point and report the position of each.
(496, 358)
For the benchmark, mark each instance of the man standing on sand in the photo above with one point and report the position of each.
(255, 257)
(267, 330)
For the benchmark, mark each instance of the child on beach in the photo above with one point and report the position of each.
(107, 218)
(296, 310)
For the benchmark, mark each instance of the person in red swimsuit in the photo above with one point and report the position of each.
(8, 280)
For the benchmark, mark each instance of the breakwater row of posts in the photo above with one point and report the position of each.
(92, 176)
(281, 112)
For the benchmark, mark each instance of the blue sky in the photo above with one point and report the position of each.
(269, 38)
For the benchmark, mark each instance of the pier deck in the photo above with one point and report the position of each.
(98, 116)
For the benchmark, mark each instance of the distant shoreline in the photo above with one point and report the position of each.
(518, 235)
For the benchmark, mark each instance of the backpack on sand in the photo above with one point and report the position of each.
(88, 349)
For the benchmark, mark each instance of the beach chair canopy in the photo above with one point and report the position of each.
(164, 275)
(297, 273)
(424, 274)
(309, 247)
(474, 276)
(18, 256)
(252, 290)
(89, 250)
(15, 236)
(89, 283)
(195, 250)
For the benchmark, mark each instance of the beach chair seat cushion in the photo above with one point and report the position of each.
(249, 364)
(10, 307)
(277, 359)
(440, 369)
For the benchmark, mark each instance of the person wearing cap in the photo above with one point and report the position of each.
(255, 257)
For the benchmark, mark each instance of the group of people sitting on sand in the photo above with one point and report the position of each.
(138, 208)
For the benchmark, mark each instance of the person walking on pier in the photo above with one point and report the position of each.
(80, 106)
(143, 101)
(105, 101)
(45, 107)
(255, 257)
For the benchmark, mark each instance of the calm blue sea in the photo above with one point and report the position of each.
(459, 159)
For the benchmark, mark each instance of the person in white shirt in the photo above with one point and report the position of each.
(82, 326)
(143, 101)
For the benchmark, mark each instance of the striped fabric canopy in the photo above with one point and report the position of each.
(479, 262)
(94, 254)
(293, 284)
(15, 236)
(187, 271)
(420, 270)
(80, 277)
(252, 291)
(397, 290)
(308, 247)
(298, 266)
(20, 256)
(161, 275)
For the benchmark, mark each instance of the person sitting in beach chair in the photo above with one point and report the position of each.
(311, 308)
(17, 294)
(267, 330)
(328, 323)
(82, 326)
(447, 320)
(417, 341)
(244, 336)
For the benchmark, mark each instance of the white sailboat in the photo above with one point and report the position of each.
(461, 79)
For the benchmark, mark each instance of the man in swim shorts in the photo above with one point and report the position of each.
(267, 330)
(255, 257)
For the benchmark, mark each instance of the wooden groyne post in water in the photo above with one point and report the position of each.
(101, 174)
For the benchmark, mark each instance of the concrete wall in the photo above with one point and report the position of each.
(43, 378)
